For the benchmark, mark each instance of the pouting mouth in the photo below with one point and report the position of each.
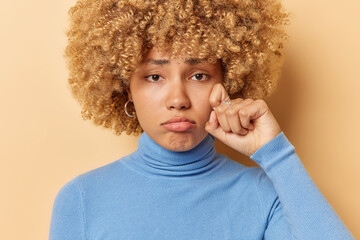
(178, 119)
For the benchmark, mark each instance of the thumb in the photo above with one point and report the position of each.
(213, 126)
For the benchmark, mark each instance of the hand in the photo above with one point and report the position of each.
(245, 126)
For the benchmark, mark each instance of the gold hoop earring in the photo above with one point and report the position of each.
(127, 111)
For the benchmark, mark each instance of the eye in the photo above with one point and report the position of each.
(153, 78)
(200, 76)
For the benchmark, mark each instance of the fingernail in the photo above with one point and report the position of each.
(244, 131)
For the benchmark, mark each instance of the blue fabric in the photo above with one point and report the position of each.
(199, 194)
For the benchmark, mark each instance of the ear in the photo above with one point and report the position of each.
(129, 93)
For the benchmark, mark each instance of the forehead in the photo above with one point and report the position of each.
(160, 57)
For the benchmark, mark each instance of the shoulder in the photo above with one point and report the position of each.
(97, 178)
(250, 183)
(254, 176)
(69, 192)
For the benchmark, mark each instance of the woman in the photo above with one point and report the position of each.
(182, 73)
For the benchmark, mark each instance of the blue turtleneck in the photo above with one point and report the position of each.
(155, 193)
(157, 162)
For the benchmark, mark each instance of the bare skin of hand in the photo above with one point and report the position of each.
(245, 125)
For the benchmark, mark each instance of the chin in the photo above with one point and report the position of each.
(180, 142)
(180, 148)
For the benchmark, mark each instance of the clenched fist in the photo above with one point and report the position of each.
(243, 124)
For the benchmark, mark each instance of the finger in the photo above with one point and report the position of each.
(213, 124)
(244, 117)
(222, 118)
(252, 111)
(213, 127)
(223, 112)
(233, 116)
(217, 95)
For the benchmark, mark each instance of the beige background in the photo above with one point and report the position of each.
(44, 142)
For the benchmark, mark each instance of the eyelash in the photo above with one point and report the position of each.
(203, 74)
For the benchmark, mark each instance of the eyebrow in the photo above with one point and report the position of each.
(191, 61)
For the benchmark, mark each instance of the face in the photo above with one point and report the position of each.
(171, 98)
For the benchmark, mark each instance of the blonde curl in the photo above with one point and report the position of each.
(107, 39)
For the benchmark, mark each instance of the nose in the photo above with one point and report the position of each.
(177, 97)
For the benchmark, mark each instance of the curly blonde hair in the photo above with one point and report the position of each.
(107, 39)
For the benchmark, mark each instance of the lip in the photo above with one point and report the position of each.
(178, 119)
(178, 124)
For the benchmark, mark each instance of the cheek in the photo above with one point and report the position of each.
(201, 103)
(146, 102)
(202, 95)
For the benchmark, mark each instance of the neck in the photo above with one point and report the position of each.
(155, 159)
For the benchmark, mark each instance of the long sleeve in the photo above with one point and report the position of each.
(300, 211)
(67, 220)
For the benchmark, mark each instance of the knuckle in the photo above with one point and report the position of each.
(249, 100)
(261, 102)
(230, 112)
(218, 85)
(221, 108)
(212, 101)
(244, 113)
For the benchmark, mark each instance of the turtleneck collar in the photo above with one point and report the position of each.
(151, 158)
